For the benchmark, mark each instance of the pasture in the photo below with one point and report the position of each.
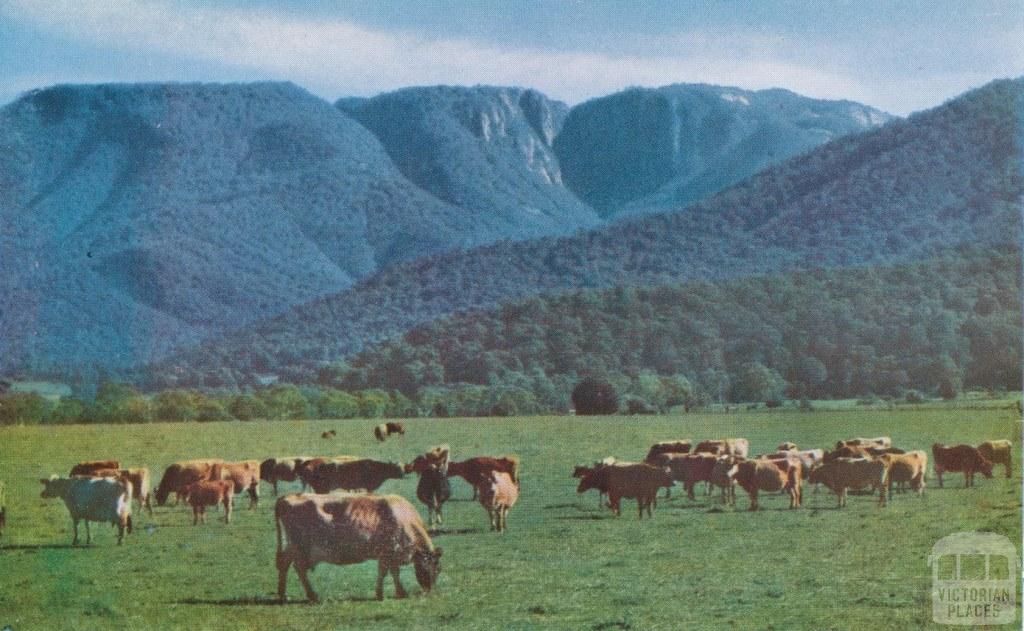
(563, 564)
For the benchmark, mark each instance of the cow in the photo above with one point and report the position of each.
(724, 447)
(723, 475)
(881, 441)
(497, 495)
(787, 446)
(93, 499)
(331, 433)
(181, 474)
(681, 446)
(908, 468)
(998, 452)
(344, 529)
(353, 475)
(960, 458)
(582, 471)
(689, 469)
(281, 469)
(138, 478)
(245, 475)
(475, 470)
(210, 493)
(847, 451)
(852, 473)
(762, 474)
(91, 466)
(384, 430)
(439, 456)
(639, 481)
(433, 489)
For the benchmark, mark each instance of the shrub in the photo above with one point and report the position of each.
(246, 407)
(209, 411)
(595, 396)
(913, 396)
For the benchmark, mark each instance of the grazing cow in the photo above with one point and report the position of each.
(724, 447)
(582, 471)
(348, 529)
(998, 452)
(881, 442)
(908, 468)
(668, 447)
(960, 458)
(433, 488)
(210, 493)
(329, 434)
(384, 430)
(353, 475)
(91, 466)
(770, 476)
(852, 473)
(787, 446)
(639, 481)
(689, 469)
(477, 470)
(497, 495)
(181, 474)
(245, 475)
(723, 475)
(93, 499)
(274, 470)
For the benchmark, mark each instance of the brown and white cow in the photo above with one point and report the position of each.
(771, 476)
(880, 442)
(497, 495)
(89, 467)
(477, 469)
(637, 481)
(281, 469)
(842, 474)
(88, 499)
(245, 475)
(345, 529)
(786, 446)
(959, 458)
(909, 468)
(181, 474)
(384, 430)
(724, 447)
(998, 452)
(352, 475)
(199, 495)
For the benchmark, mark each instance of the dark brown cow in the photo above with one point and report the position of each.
(689, 469)
(959, 458)
(89, 467)
(639, 481)
(770, 476)
(681, 446)
(433, 488)
(210, 493)
(353, 475)
(477, 470)
(384, 430)
(348, 529)
(306, 468)
(181, 474)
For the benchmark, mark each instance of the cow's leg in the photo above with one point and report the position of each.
(120, 532)
(195, 514)
(668, 492)
(753, 499)
(302, 569)
(88, 534)
(382, 569)
(1008, 464)
(254, 494)
(228, 505)
(689, 490)
(613, 502)
(74, 541)
(149, 504)
(842, 497)
(938, 475)
(395, 574)
(284, 561)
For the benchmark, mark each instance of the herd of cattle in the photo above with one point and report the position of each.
(854, 464)
(358, 525)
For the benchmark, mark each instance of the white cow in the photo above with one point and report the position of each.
(93, 499)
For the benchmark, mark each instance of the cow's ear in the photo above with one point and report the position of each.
(43, 480)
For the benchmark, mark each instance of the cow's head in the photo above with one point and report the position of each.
(581, 471)
(418, 464)
(266, 467)
(52, 488)
(428, 566)
(588, 482)
(985, 466)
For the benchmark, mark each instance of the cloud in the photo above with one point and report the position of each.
(335, 57)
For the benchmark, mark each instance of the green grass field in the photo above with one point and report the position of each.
(563, 564)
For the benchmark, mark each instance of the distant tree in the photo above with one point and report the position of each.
(67, 410)
(338, 404)
(595, 396)
(373, 403)
(211, 410)
(174, 405)
(246, 407)
(284, 402)
(22, 407)
(757, 382)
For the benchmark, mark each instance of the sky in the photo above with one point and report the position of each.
(900, 56)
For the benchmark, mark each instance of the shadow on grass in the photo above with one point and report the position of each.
(45, 546)
(265, 601)
(454, 531)
(588, 517)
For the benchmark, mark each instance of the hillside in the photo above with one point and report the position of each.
(948, 176)
(487, 150)
(649, 150)
(139, 218)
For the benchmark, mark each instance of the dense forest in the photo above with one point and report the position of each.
(897, 194)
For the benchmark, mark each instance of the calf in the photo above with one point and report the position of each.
(998, 452)
(497, 495)
(384, 430)
(639, 481)
(908, 468)
(723, 475)
(842, 474)
(771, 476)
(348, 529)
(433, 488)
(210, 493)
(93, 499)
(960, 458)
